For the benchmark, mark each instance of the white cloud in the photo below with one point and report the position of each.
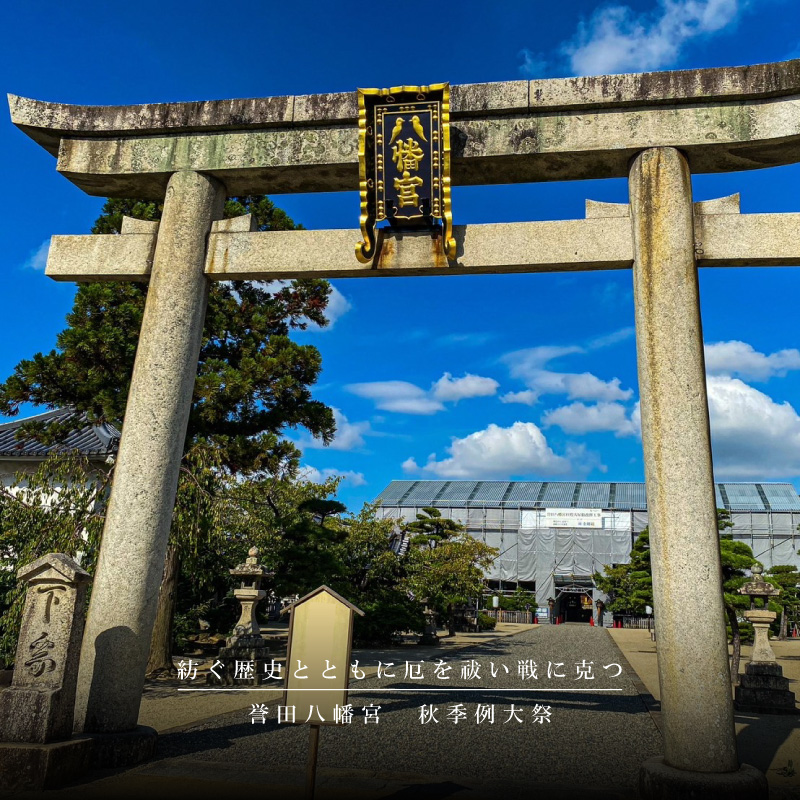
(474, 339)
(38, 258)
(534, 65)
(578, 418)
(315, 475)
(741, 359)
(528, 365)
(349, 435)
(616, 39)
(523, 362)
(615, 337)
(576, 386)
(338, 306)
(527, 397)
(752, 435)
(495, 452)
(448, 388)
(408, 398)
(398, 396)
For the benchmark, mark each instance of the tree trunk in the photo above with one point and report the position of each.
(782, 634)
(160, 661)
(451, 619)
(737, 644)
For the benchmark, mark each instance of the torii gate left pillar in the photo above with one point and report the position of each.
(116, 642)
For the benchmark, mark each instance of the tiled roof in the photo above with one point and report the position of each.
(88, 440)
(562, 494)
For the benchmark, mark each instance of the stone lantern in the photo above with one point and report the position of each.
(249, 593)
(246, 645)
(762, 688)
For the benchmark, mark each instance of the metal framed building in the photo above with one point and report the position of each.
(554, 535)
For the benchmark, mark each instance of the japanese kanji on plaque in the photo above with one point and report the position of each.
(404, 163)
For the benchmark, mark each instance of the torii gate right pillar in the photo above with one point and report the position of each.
(693, 672)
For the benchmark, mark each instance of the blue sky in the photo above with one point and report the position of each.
(515, 376)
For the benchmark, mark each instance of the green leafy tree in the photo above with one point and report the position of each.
(787, 578)
(446, 566)
(59, 508)
(374, 577)
(520, 600)
(430, 528)
(629, 587)
(736, 557)
(253, 382)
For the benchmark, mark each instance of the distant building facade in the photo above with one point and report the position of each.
(554, 535)
(21, 454)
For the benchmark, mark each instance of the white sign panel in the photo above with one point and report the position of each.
(573, 517)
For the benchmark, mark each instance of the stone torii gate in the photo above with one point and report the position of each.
(654, 128)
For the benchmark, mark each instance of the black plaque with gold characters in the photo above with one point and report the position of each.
(404, 163)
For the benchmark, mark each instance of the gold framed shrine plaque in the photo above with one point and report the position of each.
(404, 163)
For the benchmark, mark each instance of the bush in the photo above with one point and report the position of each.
(485, 622)
(519, 601)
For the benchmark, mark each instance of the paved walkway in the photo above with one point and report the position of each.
(591, 747)
(769, 742)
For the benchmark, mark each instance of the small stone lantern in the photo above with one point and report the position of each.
(246, 646)
(762, 689)
(249, 593)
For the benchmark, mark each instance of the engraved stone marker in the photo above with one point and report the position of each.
(38, 706)
(36, 711)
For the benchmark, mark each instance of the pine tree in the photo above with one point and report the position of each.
(253, 382)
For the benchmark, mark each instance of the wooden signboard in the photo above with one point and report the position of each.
(318, 657)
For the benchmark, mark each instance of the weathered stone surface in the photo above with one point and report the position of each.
(764, 690)
(512, 148)
(38, 706)
(696, 703)
(723, 238)
(122, 749)
(472, 98)
(660, 781)
(131, 560)
(125, 258)
(46, 122)
(516, 247)
(574, 128)
(761, 619)
(32, 767)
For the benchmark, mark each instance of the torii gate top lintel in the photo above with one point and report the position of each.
(723, 119)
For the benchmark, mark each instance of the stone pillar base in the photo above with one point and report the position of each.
(33, 767)
(117, 750)
(658, 781)
(764, 690)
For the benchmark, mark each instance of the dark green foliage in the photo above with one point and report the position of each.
(485, 622)
(629, 586)
(430, 528)
(252, 379)
(253, 382)
(519, 601)
(58, 509)
(787, 578)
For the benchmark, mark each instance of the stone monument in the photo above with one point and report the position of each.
(246, 644)
(763, 689)
(36, 711)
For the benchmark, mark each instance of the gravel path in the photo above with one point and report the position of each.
(593, 739)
